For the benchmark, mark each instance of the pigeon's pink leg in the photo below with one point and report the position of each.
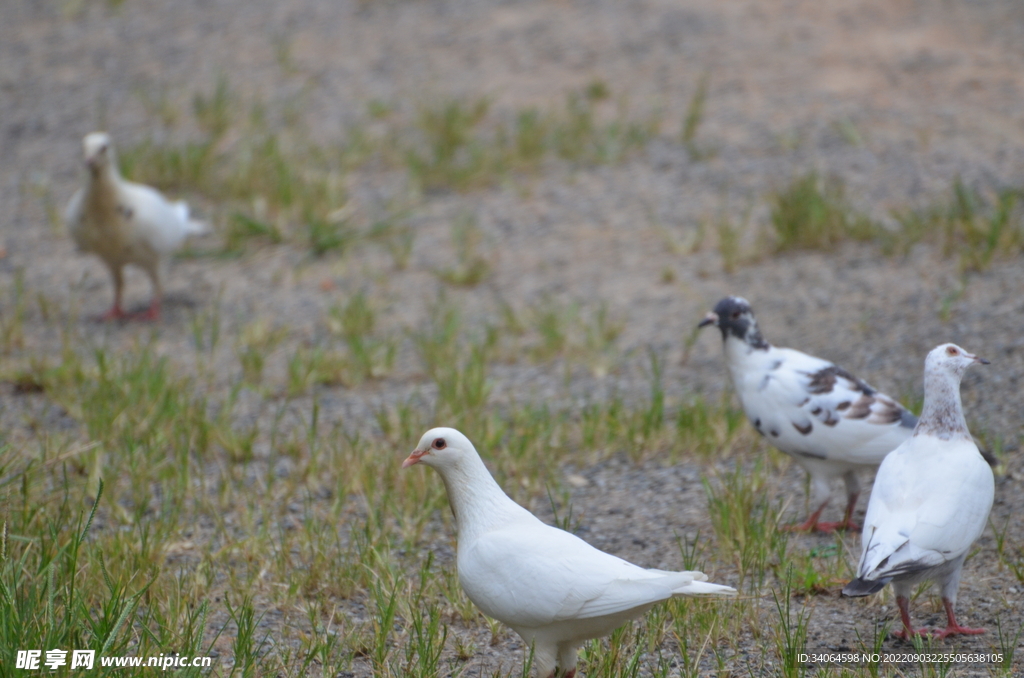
(116, 312)
(952, 628)
(153, 312)
(846, 523)
(571, 673)
(908, 628)
(809, 525)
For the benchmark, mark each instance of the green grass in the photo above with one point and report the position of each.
(462, 144)
(274, 187)
(243, 228)
(695, 111)
(813, 213)
(216, 501)
(452, 152)
(13, 314)
(173, 519)
(791, 633)
(453, 144)
(471, 266)
(973, 227)
(747, 523)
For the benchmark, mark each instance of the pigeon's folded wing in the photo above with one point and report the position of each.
(162, 224)
(910, 526)
(73, 215)
(537, 576)
(818, 409)
(946, 523)
(73, 212)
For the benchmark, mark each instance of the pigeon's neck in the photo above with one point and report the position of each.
(477, 501)
(943, 414)
(103, 183)
(739, 352)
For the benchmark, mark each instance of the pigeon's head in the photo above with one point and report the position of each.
(99, 152)
(440, 447)
(734, 317)
(951, 359)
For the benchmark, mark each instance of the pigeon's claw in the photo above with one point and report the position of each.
(152, 313)
(841, 525)
(952, 628)
(115, 313)
(809, 525)
(957, 630)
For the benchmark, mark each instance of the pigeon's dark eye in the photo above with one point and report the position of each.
(735, 315)
(440, 444)
(952, 351)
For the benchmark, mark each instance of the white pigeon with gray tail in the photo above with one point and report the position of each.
(832, 423)
(931, 499)
(125, 223)
(551, 587)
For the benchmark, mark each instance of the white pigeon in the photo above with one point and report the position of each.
(930, 501)
(832, 423)
(125, 223)
(552, 588)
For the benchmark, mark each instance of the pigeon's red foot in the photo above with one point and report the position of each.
(957, 630)
(907, 634)
(115, 313)
(952, 628)
(151, 313)
(841, 525)
(809, 525)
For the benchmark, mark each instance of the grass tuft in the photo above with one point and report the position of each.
(812, 213)
(694, 117)
(970, 226)
(471, 267)
(747, 523)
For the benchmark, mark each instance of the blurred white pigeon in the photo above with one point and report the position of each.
(551, 587)
(125, 223)
(832, 423)
(930, 501)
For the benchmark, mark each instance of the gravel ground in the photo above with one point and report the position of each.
(933, 91)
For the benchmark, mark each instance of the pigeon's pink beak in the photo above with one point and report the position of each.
(710, 319)
(980, 361)
(414, 458)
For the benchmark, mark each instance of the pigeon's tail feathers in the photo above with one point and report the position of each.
(192, 227)
(703, 588)
(197, 227)
(863, 587)
(73, 212)
(695, 575)
(181, 210)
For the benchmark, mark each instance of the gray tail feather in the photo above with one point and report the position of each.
(863, 587)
